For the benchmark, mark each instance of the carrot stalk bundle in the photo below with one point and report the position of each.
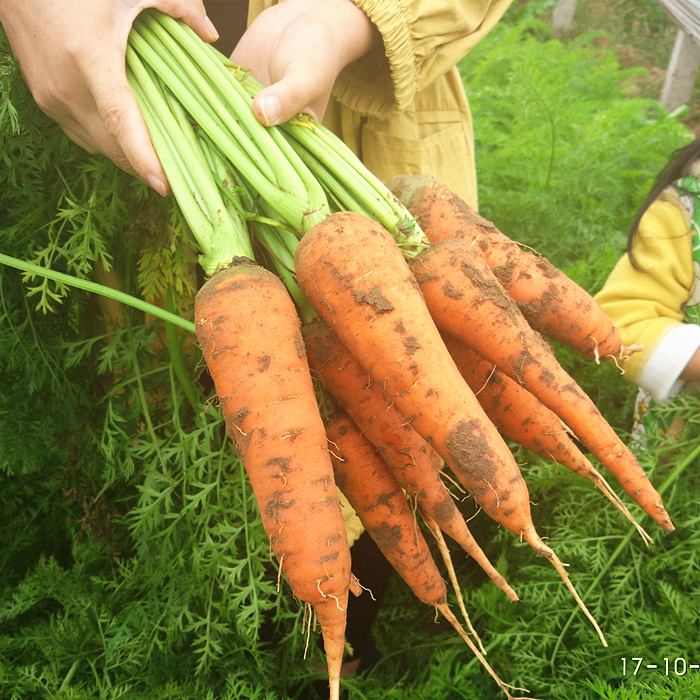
(467, 301)
(355, 276)
(551, 302)
(378, 500)
(411, 460)
(250, 335)
(522, 418)
(179, 62)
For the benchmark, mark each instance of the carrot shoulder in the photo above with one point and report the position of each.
(250, 335)
(551, 301)
(468, 302)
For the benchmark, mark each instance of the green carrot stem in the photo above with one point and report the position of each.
(31, 269)
(176, 358)
(235, 89)
(272, 239)
(343, 198)
(276, 238)
(191, 86)
(187, 196)
(292, 176)
(222, 238)
(376, 200)
(346, 177)
(229, 89)
(292, 206)
(318, 208)
(222, 180)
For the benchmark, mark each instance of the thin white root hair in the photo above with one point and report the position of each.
(336, 599)
(364, 588)
(279, 573)
(491, 373)
(602, 484)
(452, 574)
(498, 499)
(453, 481)
(306, 622)
(445, 610)
(337, 456)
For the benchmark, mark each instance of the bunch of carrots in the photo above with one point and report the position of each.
(421, 324)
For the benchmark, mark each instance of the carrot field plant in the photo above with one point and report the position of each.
(138, 565)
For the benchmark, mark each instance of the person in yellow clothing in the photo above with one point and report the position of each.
(653, 293)
(381, 74)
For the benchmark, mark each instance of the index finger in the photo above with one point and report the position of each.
(123, 135)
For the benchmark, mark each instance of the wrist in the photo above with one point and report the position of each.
(365, 34)
(355, 34)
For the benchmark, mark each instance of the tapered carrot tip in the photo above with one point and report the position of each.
(533, 539)
(505, 587)
(452, 574)
(449, 616)
(667, 525)
(331, 616)
(629, 350)
(614, 349)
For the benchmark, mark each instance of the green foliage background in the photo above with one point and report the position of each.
(133, 563)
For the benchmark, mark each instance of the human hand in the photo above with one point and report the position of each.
(72, 56)
(297, 49)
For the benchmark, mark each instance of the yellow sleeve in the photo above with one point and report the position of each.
(421, 42)
(647, 304)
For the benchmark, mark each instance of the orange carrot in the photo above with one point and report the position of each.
(467, 301)
(522, 418)
(379, 502)
(413, 463)
(250, 335)
(551, 302)
(355, 276)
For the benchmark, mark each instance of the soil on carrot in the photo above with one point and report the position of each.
(410, 342)
(491, 289)
(468, 447)
(375, 299)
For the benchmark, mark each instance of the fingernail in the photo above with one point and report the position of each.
(157, 184)
(271, 109)
(211, 29)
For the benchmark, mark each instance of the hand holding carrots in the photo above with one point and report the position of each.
(72, 57)
(297, 49)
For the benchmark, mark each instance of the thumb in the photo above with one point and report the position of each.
(293, 94)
